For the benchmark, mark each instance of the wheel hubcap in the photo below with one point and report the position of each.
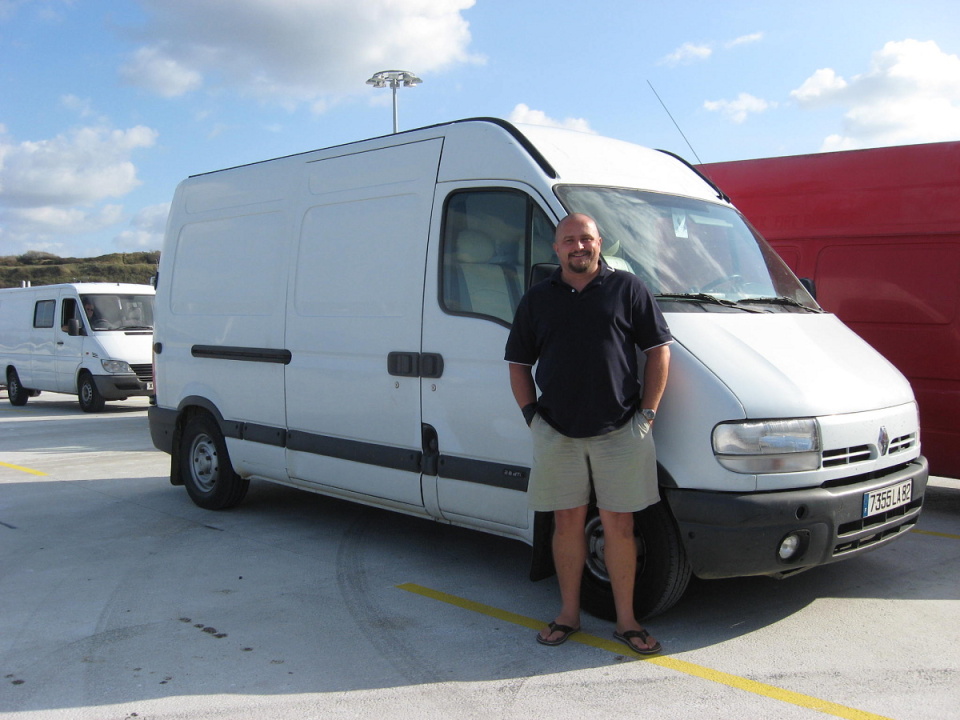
(595, 546)
(203, 463)
(596, 562)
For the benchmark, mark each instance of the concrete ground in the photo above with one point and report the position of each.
(120, 599)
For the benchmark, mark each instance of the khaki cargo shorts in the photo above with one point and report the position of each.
(621, 468)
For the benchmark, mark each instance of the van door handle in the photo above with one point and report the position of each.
(404, 364)
(412, 364)
(431, 365)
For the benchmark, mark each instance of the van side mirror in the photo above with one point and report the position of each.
(73, 327)
(810, 286)
(541, 271)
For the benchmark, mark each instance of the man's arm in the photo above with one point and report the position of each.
(521, 382)
(654, 376)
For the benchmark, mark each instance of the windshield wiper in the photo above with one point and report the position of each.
(704, 298)
(781, 301)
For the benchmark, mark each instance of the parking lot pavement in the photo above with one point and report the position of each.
(120, 599)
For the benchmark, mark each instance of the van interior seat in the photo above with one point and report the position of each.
(486, 284)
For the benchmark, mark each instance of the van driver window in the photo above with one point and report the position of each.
(70, 310)
(489, 237)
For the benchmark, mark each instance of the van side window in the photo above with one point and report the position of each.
(43, 313)
(489, 238)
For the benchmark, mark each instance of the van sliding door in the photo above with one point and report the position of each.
(354, 318)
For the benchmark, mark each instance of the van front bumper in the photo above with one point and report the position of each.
(120, 387)
(739, 534)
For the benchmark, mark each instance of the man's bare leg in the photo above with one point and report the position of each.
(620, 555)
(569, 556)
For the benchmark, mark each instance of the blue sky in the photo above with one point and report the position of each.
(105, 105)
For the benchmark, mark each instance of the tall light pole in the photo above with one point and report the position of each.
(394, 79)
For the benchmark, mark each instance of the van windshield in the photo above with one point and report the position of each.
(118, 312)
(687, 249)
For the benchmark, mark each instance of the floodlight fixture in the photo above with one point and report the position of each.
(394, 79)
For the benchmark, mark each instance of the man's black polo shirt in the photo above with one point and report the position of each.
(586, 345)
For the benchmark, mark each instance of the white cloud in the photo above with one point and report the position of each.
(686, 54)
(738, 110)
(910, 94)
(61, 221)
(151, 69)
(744, 40)
(83, 166)
(524, 114)
(296, 51)
(147, 228)
(819, 88)
(57, 188)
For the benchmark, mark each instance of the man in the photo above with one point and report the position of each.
(593, 419)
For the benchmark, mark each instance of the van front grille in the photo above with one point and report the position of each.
(904, 442)
(862, 453)
(846, 456)
(143, 372)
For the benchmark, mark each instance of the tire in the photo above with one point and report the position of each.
(16, 393)
(663, 572)
(91, 400)
(205, 466)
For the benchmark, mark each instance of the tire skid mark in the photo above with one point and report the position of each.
(376, 624)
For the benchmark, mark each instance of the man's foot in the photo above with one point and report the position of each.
(556, 634)
(639, 641)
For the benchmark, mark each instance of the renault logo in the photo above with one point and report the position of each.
(884, 441)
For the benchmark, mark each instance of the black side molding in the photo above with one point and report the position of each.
(245, 354)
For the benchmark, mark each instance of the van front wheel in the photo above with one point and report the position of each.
(16, 393)
(90, 398)
(663, 572)
(205, 466)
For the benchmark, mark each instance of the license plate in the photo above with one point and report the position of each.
(892, 496)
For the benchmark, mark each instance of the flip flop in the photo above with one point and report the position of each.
(556, 627)
(643, 636)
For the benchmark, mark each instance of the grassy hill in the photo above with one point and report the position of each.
(42, 268)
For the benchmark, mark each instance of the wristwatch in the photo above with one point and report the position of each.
(648, 414)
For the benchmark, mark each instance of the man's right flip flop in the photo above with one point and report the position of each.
(557, 627)
(643, 636)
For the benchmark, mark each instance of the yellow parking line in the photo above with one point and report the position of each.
(936, 534)
(23, 469)
(734, 681)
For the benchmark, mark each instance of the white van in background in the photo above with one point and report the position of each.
(86, 339)
(336, 321)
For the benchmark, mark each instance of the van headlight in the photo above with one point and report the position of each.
(768, 446)
(116, 367)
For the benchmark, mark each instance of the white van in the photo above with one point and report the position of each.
(86, 339)
(336, 321)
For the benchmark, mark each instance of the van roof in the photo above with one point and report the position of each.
(561, 155)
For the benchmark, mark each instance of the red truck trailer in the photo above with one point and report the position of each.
(879, 233)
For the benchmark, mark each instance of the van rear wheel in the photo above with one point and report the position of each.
(90, 398)
(663, 572)
(16, 393)
(205, 466)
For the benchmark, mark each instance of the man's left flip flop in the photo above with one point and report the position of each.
(554, 628)
(643, 636)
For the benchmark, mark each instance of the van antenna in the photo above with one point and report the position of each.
(675, 123)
